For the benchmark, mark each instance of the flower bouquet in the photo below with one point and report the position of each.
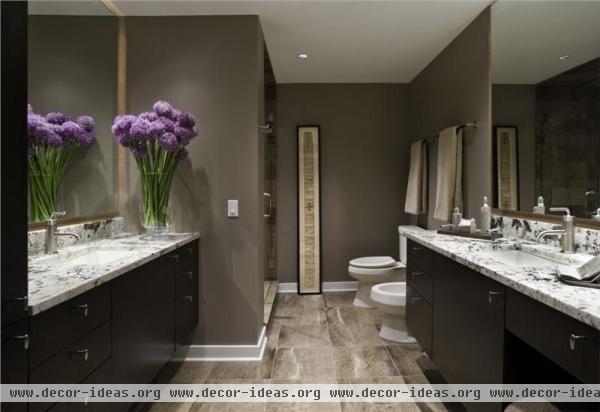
(157, 140)
(52, 140)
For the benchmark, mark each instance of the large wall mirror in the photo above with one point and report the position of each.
(546, 105)
(72, 91)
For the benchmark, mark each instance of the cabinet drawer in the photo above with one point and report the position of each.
(419, 255)
(99, 376)
(186, 316)
(77, 361)
(60, 326)
(420, 282)
(419, 319)
(567, 342)
(183, 257)
(185, 279)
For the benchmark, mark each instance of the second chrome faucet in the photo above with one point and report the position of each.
(566, 232)
(52, 232)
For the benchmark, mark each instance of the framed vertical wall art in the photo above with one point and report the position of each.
(309, 211)
(506, 170)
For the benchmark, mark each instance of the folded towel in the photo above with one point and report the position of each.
(416, 192)
(587, 274)
(448, 193)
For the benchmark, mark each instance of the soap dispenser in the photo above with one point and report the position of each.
(456, 217)
(486, 216)
(540, 208)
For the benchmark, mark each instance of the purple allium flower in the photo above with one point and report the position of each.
(185, 134)
(121, 127)
(168, 142)
(141, 130)
(86, 122)
(41, 132)
(74, 133)
(186, 119)
(157, 127)
(168, 125)
(150, 116)
(29, 108)
(182, 154)
(139, 152)
(163, 109)
(57, 118)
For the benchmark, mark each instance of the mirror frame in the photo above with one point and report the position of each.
(120, 154)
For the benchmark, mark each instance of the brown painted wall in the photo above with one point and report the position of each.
(453, 89)
(212, 66)
(514, 105)
(364, 170)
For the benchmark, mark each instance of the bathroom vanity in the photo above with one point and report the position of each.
(114, 322)
(482, 321)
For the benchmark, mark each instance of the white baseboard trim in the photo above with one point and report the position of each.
(292, 287)
(224, 353)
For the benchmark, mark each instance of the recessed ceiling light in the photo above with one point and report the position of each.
(302, 56)
(565, 57)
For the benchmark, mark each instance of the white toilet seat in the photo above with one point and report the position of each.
(373, 262)
(358, 270)
(391, 294)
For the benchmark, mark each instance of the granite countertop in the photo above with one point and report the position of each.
(538, 282)
(51, 283)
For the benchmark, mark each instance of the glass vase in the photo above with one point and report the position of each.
(155, 209)
(42, 193)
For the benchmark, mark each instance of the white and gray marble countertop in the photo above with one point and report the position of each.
(51, 283)
(538, 282)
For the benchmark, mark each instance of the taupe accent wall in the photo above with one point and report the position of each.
(453, 89)
(212, 66)
(72, 68)
(364, 170)
(514, 105)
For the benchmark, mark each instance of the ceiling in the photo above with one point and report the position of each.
(528, 38)
(347, 41)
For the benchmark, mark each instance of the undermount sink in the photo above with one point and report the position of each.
(88, 256)
(518, 258)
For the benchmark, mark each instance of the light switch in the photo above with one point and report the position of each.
(232, 208)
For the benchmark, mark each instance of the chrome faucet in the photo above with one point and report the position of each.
(52, 232)
(596, 217)
(566, 231)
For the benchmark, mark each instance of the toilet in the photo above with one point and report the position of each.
(369, 271)
(391, 299)
(382, 284)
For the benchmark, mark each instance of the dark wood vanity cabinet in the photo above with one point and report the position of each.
(123, 331)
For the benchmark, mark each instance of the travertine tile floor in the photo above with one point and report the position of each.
(315, 339)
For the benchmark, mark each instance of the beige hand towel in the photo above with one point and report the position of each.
(416, 192)
(448, 194)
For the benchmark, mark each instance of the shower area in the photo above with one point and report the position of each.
(270, 187)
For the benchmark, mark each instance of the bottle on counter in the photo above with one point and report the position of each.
(486, 216)
(540, 208)
(456, 217)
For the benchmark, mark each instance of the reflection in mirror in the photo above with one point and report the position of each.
(546, 105)
(72, 71)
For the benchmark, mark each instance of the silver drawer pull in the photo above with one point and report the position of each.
(174, 258)
(415, 300)
(22, 300)
(22, 338)
(415, 274)
(188, 298)
(416, 249)
(189, 250)
(491, 295)
(189, 274)
(83, 308)
(573, 340)
(82, 352)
